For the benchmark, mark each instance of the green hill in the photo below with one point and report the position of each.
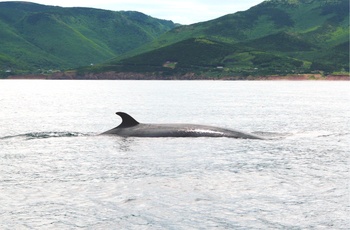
(274, 37)
(310, 18)
(203, 57)
(35, 36)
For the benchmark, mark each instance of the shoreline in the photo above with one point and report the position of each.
(189, 76)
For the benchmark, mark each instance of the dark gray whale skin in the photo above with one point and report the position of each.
(131, 128)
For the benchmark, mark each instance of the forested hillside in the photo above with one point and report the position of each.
(37, 37)
(274, 37)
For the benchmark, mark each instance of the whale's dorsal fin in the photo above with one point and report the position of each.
(127, 120)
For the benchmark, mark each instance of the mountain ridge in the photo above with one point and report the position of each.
(275, 37)
(36, 36)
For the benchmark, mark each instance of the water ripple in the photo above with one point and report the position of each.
(43, 135)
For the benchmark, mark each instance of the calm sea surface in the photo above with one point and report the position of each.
(57, 173)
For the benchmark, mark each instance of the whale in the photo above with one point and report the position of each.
(129, 127)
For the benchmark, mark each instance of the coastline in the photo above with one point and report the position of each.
(188, 76)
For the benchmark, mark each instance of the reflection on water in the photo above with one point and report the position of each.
(124, 144)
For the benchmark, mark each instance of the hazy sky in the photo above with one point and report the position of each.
(180, 11)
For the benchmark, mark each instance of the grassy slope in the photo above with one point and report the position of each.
(34, 36)
(203, 56)
(274, 36)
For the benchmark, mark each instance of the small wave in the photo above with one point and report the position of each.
(272, 135)
(43, 135)
(316, 134)
(335, 135)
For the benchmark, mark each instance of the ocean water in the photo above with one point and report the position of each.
(56, 172)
